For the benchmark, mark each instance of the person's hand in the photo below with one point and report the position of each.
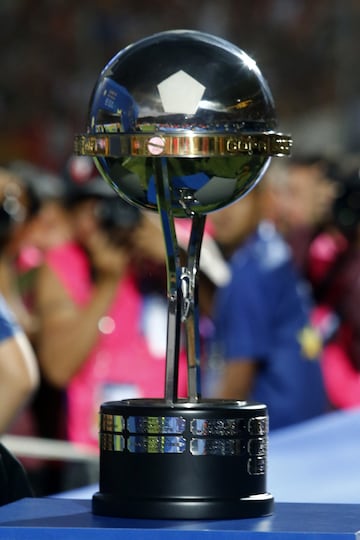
(109, 260)
(147, 239)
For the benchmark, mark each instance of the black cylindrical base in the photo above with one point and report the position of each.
(183, 460)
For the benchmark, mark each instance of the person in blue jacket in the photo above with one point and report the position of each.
(263, 341)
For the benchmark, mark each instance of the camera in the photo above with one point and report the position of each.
(117, 218)
(114, 213)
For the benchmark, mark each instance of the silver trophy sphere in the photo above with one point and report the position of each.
(182, 123)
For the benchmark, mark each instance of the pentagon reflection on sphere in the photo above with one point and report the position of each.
(194, 99)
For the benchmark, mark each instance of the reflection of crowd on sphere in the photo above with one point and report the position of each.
(84, 278)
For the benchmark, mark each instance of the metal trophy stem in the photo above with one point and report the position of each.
(182, 287)
(177, 458)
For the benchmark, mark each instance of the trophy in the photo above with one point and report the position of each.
(182, 123)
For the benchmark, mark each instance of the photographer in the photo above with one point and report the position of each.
(101, 312)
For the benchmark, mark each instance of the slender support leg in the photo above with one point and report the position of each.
(191, 314)
(182, 291)
(173, 279)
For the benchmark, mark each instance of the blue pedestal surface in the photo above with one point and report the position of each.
(65, 519)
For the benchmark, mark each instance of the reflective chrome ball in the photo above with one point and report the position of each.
(197, 102)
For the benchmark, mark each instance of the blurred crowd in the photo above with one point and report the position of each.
(53, 50)
(83, 274)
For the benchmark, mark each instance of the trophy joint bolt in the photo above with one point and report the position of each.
(187, 293)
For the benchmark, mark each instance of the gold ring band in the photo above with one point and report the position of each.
(186, 145)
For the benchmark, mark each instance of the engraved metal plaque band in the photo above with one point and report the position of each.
(198, 436)
(186, 144)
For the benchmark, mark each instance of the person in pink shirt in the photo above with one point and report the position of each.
(102, 307)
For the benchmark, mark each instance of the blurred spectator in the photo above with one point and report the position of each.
(46, 226)
(26, 194)
(304, 190)
(317, 209)
(49, 225)
(334, 270)
(16, 211)
(18, 364)
(263, 338)
(102, 307)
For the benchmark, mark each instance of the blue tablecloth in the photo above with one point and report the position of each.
(317, 461)
(69, 519)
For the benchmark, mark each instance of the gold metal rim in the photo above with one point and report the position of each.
(185, 145)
